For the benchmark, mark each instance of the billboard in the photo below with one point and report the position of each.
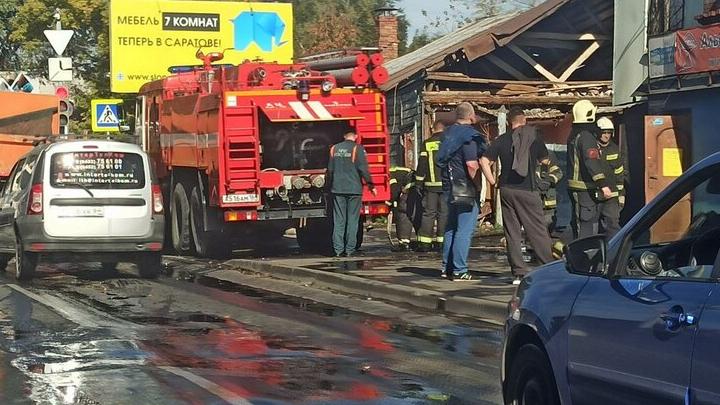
(149, 36)
(697, 50)
(662, 55)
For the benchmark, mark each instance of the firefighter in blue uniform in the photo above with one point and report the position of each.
(435, 208)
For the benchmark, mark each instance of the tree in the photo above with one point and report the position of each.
(315, 20)
(8, 49)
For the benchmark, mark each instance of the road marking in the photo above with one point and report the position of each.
(209, 386)
(88, 317)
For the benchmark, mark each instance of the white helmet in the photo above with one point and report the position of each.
(605, 124)
(584, 112)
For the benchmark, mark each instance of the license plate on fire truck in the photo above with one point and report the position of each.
(240, 198)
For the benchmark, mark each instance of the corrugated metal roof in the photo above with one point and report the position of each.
(476, 39)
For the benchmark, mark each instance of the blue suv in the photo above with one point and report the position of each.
(635, 320)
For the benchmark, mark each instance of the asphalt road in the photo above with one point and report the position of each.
(76, 335)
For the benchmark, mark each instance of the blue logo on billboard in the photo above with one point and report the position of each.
(260, 28)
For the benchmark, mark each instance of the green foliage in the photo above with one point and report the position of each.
(8, 48)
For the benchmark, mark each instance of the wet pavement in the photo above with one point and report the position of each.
(76, 335)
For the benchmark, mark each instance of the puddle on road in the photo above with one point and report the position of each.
(479, 341)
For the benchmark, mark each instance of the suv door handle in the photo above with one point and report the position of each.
(676, 318)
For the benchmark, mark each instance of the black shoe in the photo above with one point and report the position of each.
(424, 248)
(437, 247)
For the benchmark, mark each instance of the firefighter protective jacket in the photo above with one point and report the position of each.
(428, 172)
(401, 181)
(548, 177)
(614, 168)
(585, 166)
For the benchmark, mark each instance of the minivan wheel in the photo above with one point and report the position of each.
(109, 267)
(150, 265)
(531, 380)
(180, 219)
(25, 262)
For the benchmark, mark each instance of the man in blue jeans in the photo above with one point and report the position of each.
(459, 155)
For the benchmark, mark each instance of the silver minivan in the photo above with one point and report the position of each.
(82, 201)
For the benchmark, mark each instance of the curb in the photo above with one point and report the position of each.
(418, 297)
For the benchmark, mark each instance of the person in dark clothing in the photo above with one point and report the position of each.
(614, 170)
(429, 181)
(548, 176)
(520, 150)
(462, 183)
(588, 184)
(347, 167)
(401, 185)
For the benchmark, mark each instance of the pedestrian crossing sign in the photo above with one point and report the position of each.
(106, 115)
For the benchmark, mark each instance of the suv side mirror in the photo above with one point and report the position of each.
(587, 256)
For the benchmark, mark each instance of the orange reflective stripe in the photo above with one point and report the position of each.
(332, 151)
(354, 152)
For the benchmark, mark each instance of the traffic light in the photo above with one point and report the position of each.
(66, 109)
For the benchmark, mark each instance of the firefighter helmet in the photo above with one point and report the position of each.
(584, 112)
(605, 124)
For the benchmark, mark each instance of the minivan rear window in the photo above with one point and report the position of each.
(100, 170)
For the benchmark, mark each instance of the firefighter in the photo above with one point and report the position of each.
(401, 186)
(549, 174)
(588, 184)
(429, 182)
(615, 171)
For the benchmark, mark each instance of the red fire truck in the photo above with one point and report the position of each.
(237, 148)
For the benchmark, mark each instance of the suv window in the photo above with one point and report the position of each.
(13, 182)
(99, 170)
(683, 242)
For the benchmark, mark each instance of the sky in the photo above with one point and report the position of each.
(413, 11)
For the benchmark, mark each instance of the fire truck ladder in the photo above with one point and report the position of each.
(242, 161)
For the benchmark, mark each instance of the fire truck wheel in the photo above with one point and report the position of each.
(4, 260)
(207, 244)
(180, 217)
(315, 236)
(360, 233)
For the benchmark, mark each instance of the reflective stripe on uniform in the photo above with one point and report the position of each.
(408, 186)
(393, 181)
(425, 239)
(614, 156)
(440, 239)
(598, 176)
(550, 203)
(620, 187)
(619, 170)
(419, 178)
(552, 176)
(399, 169)
(577, 184)
(553, 168)
(433, 183)
(423, 154)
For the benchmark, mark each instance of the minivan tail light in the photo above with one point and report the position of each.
(157, 200)
(35, 205)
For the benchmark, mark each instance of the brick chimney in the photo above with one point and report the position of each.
(387, 23)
